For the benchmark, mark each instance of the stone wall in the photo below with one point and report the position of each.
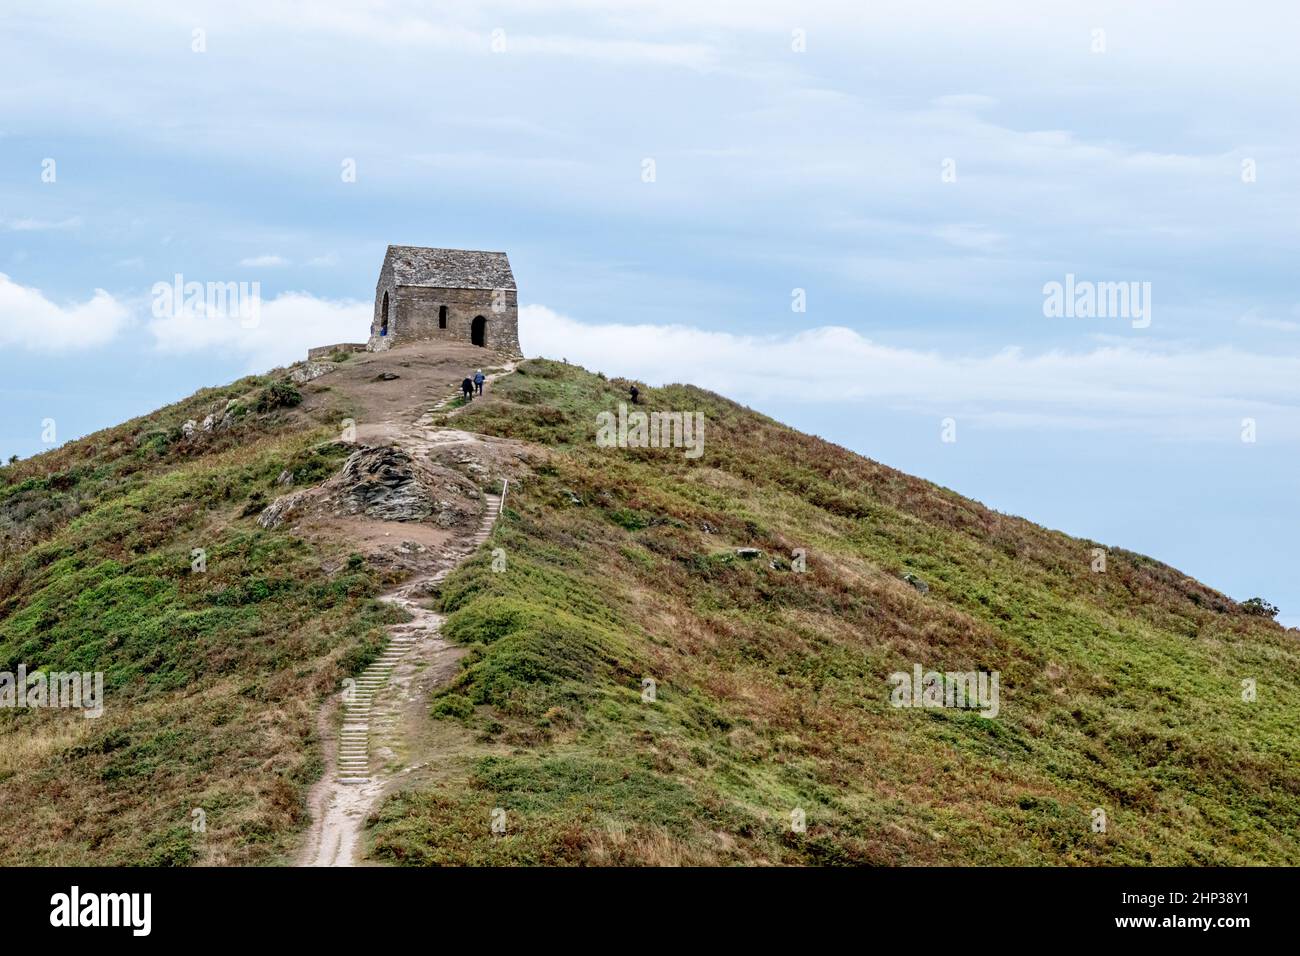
(322, 352)
(413, 316)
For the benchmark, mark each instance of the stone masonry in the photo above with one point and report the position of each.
(454, 294)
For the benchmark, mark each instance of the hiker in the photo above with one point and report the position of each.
(479, 379)
(468, 388)
(635, 392)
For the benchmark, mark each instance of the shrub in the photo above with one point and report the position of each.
(1260, 607)
(453, 705)
(278, 395)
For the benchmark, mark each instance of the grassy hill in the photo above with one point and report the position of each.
(213, 679)
(1120, 690)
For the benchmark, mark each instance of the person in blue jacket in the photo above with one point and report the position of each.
(479, 379)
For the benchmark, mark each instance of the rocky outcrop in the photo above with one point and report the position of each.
(384, 484)
(916, 582)
(307, 371)
(279, 510)
(381, 483)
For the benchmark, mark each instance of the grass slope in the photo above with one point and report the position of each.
(1120, 690)
(213, 680)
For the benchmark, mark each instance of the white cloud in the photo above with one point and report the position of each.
(1253, 320)
(966, 236)
(40, 225)
(29, 320)
(965, 101)
(286, 327)
(264, 262)
(1189, 393)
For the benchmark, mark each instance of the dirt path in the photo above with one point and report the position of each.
(369, 748)
(361, 755)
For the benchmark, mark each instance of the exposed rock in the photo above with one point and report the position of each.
(188, 428)
(208, 422)
(385, 484)
(285, 478)
(279, 510)
(707, 528)
(387, 377)
(916, 582)
(749, 554)
(381, 483)
(570, 497)
(307, 371)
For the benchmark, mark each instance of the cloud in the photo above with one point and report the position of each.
(965, 101)
(285, 328)
(264, 262)
(29, 320)
(966, 236)
(1253, 320)
(1192, 393)
(40, 225)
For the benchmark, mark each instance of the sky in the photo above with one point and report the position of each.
(849, 216)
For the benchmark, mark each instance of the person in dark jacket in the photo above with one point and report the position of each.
(479, 379)
(634, 391)
(468, 388)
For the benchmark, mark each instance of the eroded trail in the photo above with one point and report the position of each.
(362, 753)
(366, 728)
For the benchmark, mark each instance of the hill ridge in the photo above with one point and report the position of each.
(1121, 691)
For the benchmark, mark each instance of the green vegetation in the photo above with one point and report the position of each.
(1259, 606)
(633, 691)
(1120, 690)
(129, 552)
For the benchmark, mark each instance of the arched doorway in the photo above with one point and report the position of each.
(383, 322)
(442, 317)
(478, 331)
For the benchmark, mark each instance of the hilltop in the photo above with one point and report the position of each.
(672, 655)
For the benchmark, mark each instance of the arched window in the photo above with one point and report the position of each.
(442, 317)
(478, 331)
(383, 324)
